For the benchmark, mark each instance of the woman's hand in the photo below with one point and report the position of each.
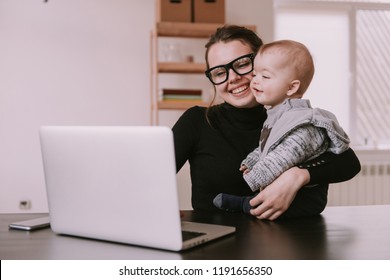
(276, 198)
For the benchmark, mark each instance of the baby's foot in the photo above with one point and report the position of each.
(232, 203)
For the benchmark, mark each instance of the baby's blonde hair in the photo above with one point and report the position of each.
(297, 56)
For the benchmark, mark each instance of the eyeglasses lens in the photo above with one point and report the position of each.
(241, 66)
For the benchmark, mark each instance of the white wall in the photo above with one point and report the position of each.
(326, 33)
(66, 62)
(78, 62)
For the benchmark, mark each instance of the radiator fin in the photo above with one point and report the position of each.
(370, 187)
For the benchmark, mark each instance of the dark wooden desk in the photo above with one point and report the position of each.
(352, 232)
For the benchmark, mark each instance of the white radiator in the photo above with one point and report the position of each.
(370, 186)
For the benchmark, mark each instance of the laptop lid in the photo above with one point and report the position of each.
(116, 184)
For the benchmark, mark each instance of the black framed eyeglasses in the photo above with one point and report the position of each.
(241, 66)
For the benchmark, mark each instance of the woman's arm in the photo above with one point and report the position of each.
(331, 168)
(185, 134)
(278, 197)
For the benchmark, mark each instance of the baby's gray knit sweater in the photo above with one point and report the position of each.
(293, 133)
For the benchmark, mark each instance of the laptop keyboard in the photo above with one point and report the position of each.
(190, 234)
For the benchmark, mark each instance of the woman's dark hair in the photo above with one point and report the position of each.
(228, 33)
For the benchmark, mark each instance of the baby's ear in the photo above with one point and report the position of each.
(293, 88)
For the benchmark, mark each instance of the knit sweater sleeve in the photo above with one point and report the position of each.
(252, 158)
(301, 144)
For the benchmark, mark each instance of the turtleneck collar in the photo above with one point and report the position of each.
(241, 118)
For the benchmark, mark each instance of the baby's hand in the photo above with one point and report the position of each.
(244, 169)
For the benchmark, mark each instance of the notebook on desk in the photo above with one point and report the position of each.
(117, 184)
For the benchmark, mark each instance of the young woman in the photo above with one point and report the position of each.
(215, 140)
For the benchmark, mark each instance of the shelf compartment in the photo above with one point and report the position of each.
(181, 67)
(179, 104)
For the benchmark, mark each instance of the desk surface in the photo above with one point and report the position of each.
(351, 232)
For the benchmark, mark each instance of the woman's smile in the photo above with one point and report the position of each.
(239, 90)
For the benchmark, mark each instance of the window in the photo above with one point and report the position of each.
(373, 75)
(349, 42)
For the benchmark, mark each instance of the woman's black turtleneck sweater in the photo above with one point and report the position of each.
(216, 145)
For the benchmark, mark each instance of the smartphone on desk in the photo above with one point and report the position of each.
(31, 224)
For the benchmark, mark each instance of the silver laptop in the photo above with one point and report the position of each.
(117, 184)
